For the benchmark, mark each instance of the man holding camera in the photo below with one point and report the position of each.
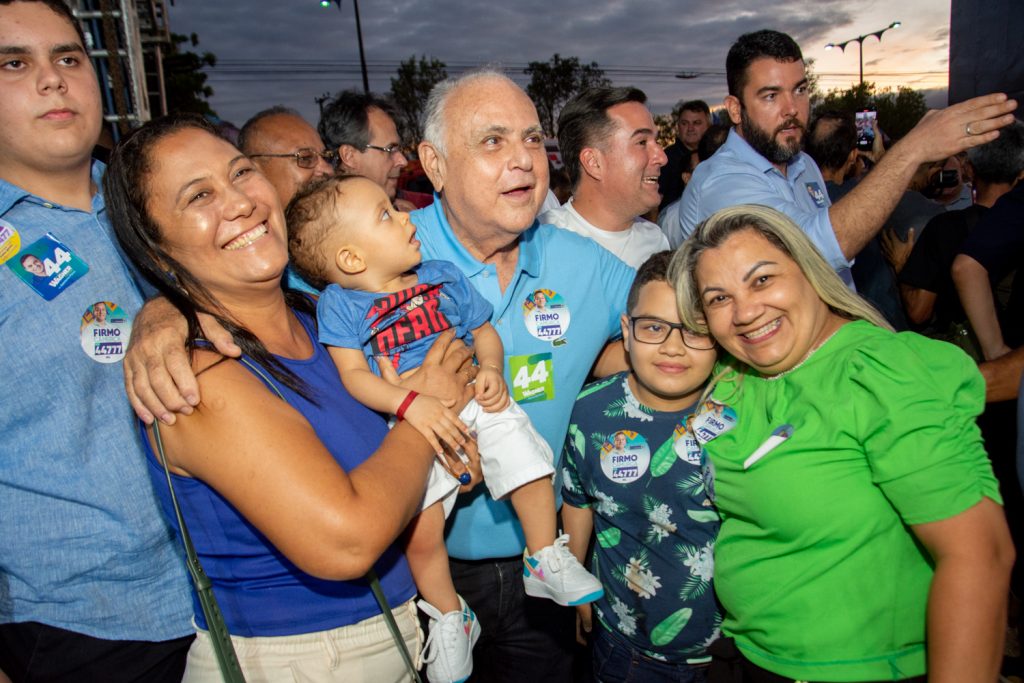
(761, 162)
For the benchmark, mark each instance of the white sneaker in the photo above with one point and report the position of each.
(554, 573)
(448, 652)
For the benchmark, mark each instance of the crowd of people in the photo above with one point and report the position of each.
(674, 428)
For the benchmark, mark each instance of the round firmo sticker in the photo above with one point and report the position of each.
(105, 331)
(626, 457)
(546, 315)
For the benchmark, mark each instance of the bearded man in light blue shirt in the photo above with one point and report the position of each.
(762, 163)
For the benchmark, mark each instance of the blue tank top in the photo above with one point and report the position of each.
(260, 592)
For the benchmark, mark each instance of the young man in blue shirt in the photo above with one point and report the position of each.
(93, 585)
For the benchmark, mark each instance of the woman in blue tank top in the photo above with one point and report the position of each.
(291, 489)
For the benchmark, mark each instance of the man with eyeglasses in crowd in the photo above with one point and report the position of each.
(286, 149)
(290, 153)
(359, 127)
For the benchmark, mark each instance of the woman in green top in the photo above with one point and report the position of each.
(859, 510)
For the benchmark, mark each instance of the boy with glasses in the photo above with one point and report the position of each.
(633, 475)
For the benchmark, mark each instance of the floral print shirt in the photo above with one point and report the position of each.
(640, 472)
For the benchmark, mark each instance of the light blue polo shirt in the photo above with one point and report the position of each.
(549, 348)
(85, 546)
(737, 174)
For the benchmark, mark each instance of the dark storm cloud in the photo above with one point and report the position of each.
(666, 36)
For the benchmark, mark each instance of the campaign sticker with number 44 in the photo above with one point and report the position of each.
(532, 379)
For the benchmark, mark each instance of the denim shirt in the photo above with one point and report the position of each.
(85, 546)
(737, 174)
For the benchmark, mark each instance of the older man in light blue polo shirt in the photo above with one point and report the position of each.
(557, 298)
(761, 162)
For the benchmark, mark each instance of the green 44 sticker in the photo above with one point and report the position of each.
(532, 378)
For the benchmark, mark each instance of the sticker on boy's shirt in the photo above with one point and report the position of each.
(10, 241)
(685, 445)
(105, 331)
(817, 194)
(532, 378)
(546, 315)
(625, 457)
(712, 420)
(48, 266)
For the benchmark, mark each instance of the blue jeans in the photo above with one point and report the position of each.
(616, 661)
(522, 638)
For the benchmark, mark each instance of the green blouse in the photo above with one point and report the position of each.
(819, 574)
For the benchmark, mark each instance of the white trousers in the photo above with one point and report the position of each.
(512, 453)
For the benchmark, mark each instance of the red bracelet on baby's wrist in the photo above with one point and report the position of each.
(406, 402)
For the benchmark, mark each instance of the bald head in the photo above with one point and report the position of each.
(484, 153)
(280, 131)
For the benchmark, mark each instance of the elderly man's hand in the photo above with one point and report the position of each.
(943, 133)
(158, 375)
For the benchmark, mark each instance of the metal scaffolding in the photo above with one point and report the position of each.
(127, 40)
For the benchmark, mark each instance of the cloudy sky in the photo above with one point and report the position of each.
(291, 51)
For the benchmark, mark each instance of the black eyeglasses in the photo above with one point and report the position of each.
(656, 331)
(390, 149)
(304, 158)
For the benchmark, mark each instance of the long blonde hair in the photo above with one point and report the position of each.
(781, 232)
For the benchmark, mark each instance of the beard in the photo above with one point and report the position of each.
(765, 144)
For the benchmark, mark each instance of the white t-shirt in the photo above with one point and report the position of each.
(634, 245)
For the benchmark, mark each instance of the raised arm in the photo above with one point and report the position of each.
(973, 556)
(264, 457)
(940, 134)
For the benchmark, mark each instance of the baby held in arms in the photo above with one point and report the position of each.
(382, 303)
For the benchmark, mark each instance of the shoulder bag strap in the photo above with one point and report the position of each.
(219, 635)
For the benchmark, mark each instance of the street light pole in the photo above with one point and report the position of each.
(860, 42)
(359, 38)
(362, 56)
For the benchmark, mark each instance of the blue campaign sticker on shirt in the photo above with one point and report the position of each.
(817, 194)
(105, 331)
(625, 457)
(546, 315)
(713, 419)
(48, 266)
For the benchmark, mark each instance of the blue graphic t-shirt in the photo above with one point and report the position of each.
(401, 325)
(640, 473)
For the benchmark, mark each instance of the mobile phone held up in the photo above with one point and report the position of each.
(866, 129)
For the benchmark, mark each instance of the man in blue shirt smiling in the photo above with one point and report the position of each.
(762, 162)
